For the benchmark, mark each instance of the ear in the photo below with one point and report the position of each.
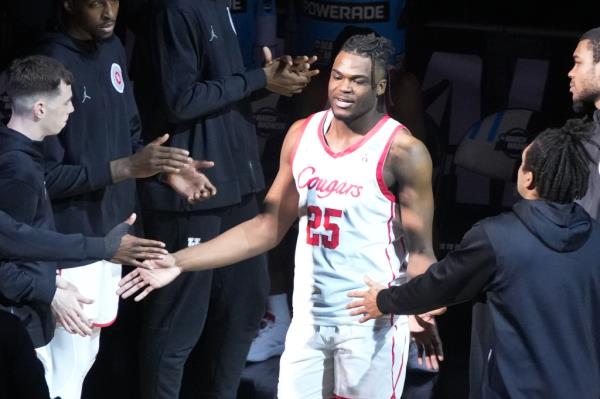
(39, 110)
(529, 180)
(380, 88)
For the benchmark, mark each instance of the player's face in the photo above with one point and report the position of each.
(351, 92)
(57, 110)
(585, 75)
(92, 19)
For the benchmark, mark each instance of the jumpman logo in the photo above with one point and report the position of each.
(213, 35)
(85, 95)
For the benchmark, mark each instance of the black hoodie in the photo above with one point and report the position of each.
(26, 288)
(535, 272)
(104, 126)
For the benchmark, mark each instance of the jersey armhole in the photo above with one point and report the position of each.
(297, 143)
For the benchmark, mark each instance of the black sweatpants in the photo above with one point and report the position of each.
(207, 319)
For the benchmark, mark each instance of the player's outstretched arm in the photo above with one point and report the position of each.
(243, 241)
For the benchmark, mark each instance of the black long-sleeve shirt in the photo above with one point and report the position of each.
(21, 241)
(190, 81)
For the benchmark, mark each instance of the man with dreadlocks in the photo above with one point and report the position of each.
(538, 272)
(585, 88)
(357, 179)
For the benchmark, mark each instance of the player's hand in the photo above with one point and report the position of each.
(191, 183)
(132, 250)
(286, 75)
(366, 305)
(159, 274)
(67, 307)
(425, 334)
(152, 159)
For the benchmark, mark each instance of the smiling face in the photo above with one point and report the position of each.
(351, 92)
(585, 76)
(91, 19)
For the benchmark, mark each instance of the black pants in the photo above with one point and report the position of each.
(205, 319)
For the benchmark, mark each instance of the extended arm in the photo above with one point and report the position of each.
(246, 240)
(459, 277)
(19, 240)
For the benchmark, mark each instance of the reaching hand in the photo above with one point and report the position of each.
(191, 183)
(133, 249)
(367, 306)
(67, 307)
(150, 160)
(425, 335)
(158, 274)
(287, 76)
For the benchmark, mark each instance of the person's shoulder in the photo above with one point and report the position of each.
(406, 147)
(185, 6)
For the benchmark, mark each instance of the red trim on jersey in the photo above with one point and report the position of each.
(297, 143)
(396, 379)
(380, 182)
(338, 397)
(354, 146)
(110, 323)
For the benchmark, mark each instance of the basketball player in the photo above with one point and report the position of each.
(357, 179)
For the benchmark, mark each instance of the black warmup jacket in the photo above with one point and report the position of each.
(591, 200)
(104, 126)
(190, 81)
(26, 287)
(535, 273)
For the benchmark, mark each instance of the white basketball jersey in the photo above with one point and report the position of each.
(349, 226)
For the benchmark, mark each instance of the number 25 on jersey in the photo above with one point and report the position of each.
(318, 217)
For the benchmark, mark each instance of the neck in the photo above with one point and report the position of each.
(531, 195)
(361, 125)
(26, 127)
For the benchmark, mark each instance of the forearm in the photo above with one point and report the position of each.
(198, 99)
(459, 277)
(21, 241)
(244, 241)
(63, 181)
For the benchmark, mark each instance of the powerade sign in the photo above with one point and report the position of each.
(322, 21)
(347, 12)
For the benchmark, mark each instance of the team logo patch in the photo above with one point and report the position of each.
(116, 77)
